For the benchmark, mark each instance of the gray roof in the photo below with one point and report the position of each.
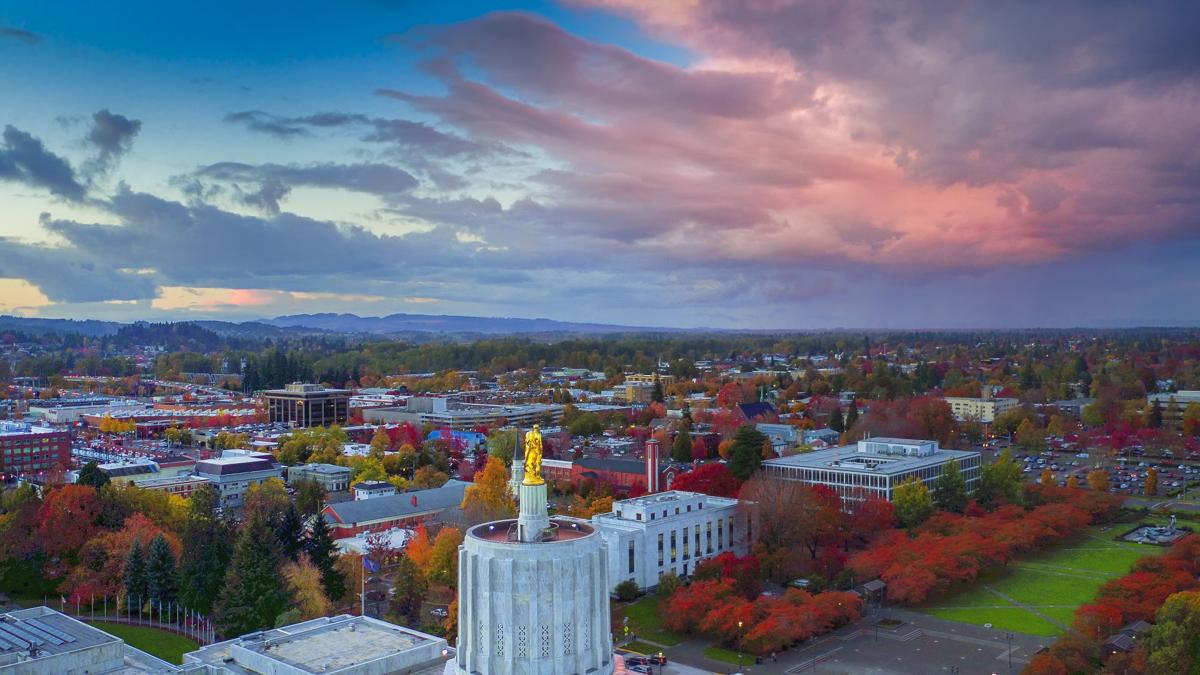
(832, 459)
(447, 496)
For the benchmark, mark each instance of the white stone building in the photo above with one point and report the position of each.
(674, 531)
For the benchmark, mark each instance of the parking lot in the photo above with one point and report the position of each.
(1126, 474)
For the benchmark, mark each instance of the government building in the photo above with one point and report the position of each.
(669, 532)
(874, 466)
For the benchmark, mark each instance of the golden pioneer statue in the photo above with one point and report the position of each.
(533, 457)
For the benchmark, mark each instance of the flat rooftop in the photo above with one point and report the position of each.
(850, 458)
(47, 630)
(350, 644)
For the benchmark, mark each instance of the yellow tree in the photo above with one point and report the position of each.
(380, 443)
(1098, 480)
(1072, 482)
(488, 497)
(1152, 481)
(1047, 477)
(268, 499)
(304, 584)
(443, 562)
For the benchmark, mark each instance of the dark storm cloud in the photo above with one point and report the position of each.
(18, 34)
(24, 159)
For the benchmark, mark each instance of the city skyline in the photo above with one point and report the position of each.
(724, 165)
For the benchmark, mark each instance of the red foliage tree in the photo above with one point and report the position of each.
(68, 518)
(711, 479)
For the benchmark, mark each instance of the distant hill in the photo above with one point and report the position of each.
(31, 326)
(429, 323)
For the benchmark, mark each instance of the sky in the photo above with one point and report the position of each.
(693, 163)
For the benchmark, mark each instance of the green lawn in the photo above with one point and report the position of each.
(166, 646)
(639, 647)
(1053, 583)
(644, 621)
(727, 655)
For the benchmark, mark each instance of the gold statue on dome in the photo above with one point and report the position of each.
(533, 457)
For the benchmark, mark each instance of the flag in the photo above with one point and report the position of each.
(370, 566)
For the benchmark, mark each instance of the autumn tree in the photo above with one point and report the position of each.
(267, 501)
(950, 488)
(1152, 481)
(699, 449)
(310, 496)
(488, 498)
(67, 518)
(1072, 482)
(1047, 477)
(380, 443)
(713, 479)
(443, 559)
(1173, 645)
(419, 547)
(1098, 480)
(912, 501)
(304, 586)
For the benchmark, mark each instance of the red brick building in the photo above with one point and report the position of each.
(29, 450)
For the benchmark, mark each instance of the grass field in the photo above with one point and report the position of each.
(1030, 595)
(726, 655)
(166, 646)
(644, 621)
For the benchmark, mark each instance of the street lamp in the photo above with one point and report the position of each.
(662, 663)
(739, 645)
(1010, 637)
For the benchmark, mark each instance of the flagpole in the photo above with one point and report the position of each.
(363, 593)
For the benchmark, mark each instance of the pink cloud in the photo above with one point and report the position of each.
(837, 132)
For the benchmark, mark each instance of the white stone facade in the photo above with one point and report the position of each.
(537, 608)
(649, 536)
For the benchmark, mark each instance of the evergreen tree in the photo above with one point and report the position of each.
(836, 422)
(745, 455)
(253, 595)
(206, 551)
(160, 572)
(91, 474)
(1155, 419)
(681, 448)
(852, 414)
(134, 575)
(290, 531)
(950, 489)
(323, 553)
(410, 587)
(656, 394)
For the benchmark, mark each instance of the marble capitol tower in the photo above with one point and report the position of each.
(533, 596)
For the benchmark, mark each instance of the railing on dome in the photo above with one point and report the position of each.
(547, 534)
